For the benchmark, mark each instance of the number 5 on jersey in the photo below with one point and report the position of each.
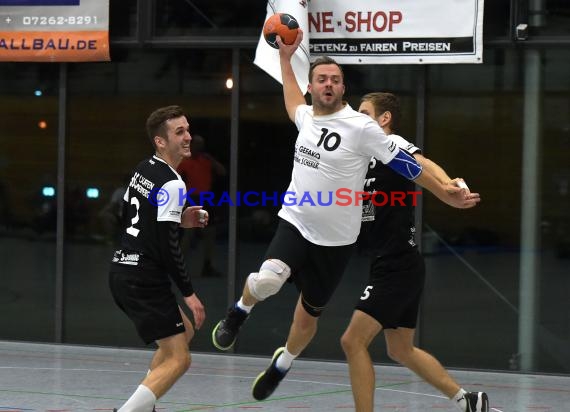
(366, 293)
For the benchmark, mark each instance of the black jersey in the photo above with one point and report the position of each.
(153, 204)
(388, 226)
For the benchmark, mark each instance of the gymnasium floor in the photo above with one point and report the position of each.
(43, 377)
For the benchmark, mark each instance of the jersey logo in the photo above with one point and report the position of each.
(131, 259)
(368, 211)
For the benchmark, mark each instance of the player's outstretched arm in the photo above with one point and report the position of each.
(292, 93)
(432, 167)
(441, 175)
(450, 194)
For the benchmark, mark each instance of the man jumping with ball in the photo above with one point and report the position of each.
(313, 244)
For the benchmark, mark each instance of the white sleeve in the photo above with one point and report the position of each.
(375, 143)
(170, 201)
(404, 144)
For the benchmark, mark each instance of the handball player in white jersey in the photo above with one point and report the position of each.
(313, 242)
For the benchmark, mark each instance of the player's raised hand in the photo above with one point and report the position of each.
(288, 50)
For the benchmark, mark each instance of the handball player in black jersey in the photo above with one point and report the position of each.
(150, 258)
(390, 301)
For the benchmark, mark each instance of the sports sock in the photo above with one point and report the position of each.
(285, 360)
(459, 399)
(142, 400)
(243, 306)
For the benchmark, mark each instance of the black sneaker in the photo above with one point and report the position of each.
(225, 333)
(477, 402)
(267, 381)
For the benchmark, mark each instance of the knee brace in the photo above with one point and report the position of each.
(268, 281)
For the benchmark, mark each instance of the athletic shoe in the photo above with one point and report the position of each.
(477, 402)
(153, 410)
(267, 381)
(225, 333)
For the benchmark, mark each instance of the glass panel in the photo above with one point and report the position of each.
(222, 18)
(496, 17)
(28, 190)
(473, 253)
(107, 139)
(554, 263)
(476, 130)
(209, 17)
(549, 17)
(123, 18)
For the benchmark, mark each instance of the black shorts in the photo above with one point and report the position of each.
(315, 270)
(146, 297)
(394, 290)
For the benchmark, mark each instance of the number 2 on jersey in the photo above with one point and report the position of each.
(132, 230)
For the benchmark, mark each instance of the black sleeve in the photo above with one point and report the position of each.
(124, 215)
(172, 257)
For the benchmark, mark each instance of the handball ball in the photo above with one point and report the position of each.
(281, 24)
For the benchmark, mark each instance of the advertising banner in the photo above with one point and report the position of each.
(54, 30)
(379, 32)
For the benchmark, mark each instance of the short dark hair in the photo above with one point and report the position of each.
(324, 60)
(385, 102)
(156, 121)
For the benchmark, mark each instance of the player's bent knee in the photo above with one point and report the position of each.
(347, 343)
(400, 355)
(352, 343)
(268, 281)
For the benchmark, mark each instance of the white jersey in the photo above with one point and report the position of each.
(332, 153)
